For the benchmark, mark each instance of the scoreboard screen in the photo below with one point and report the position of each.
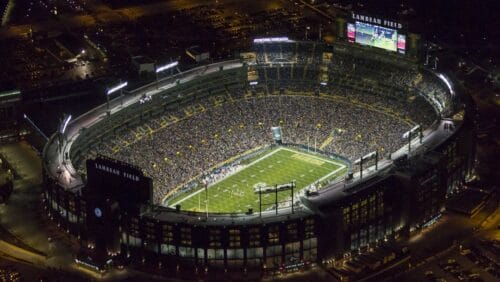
(351, 32)
(377, 36)
(401, 43)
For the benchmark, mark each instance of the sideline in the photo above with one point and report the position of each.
(247, 166)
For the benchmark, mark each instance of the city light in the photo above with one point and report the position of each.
(116, 88)
(254, 82)
(167, 66)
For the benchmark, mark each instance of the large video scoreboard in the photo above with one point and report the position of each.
(376, 32)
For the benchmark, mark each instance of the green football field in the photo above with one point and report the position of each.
(236, 192)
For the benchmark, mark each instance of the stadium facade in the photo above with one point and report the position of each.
(407, 190)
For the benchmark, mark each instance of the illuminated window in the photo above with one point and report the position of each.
(292, 232)
(354, 214)
(234, 254)
(168, 234)
(186, 252)
(354, 241)
(255, 252)
(372, 233)
(347, 217)
(373, 207)
(234, 238)
(309, 228)
(254, 237)
(364, 211)
(214, 238)
(167, 249)
(273, 235)
(150, 231)
(201, 254)
(309, 247)
(186, 236)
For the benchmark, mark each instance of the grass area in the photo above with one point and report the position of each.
(235, 193)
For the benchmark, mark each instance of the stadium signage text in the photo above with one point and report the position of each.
(375, 20)
(117, 172)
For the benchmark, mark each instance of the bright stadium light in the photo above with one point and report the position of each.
(167, 66)
(417, 129)
(10, 93)
(411, 131)
(116, 88)
(65, 124)
(323, 83)
(254, 82)
(447, 82)
(370, 156)
(271, 39)
(363, 159)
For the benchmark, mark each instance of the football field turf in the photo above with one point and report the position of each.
(236, 192)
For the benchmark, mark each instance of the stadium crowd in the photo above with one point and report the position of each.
(202, 135)
(367, 104)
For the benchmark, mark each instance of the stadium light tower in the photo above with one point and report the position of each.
(169, 66)
(367, 157)
(64, 124)
(62, 129)
(113, 89)
(35, 127)
(415, 131)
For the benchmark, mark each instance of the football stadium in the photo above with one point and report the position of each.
(233, 166)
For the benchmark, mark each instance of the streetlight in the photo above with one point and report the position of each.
(113, 90)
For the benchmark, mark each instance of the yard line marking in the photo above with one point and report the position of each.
(248, 166)
(313, 156)
(253, 168)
